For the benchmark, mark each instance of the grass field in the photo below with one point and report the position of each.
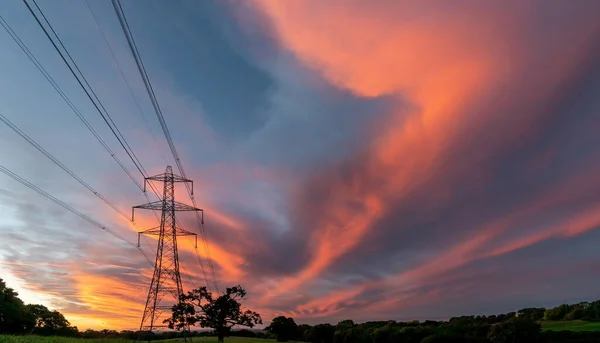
(571, 325)
(41, 339)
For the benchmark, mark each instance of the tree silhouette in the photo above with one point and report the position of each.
(46, 322)
(220, 314)
(283, 328)
(13, 318)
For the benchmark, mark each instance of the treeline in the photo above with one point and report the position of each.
(505, 328)
(18, 318)
(522, 326)
(589, 311)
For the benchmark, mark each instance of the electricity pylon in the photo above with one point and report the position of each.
(166, 279)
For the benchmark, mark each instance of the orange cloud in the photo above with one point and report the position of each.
(87, 299)
(326, 305)
(445, 64)
(374, 56)
(480, 245)
(110, 302)
(107, 301)
(212, 212)
(583, 222)
(223, 256)
(230, 262)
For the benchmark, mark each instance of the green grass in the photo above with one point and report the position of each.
(214, 340)
(42, 339)
(570, 325)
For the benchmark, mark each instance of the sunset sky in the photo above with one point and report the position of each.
(370, 160)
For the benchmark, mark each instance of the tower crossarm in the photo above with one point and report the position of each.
(155, 231)
(181, 232)
(178, 206)
(160, 205)
(169, 178)
(155, 205)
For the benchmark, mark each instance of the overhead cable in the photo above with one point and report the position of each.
(73, 67)
(67, 100)
(134, 51)
(66, 206)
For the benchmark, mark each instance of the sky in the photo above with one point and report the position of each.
(382, 160)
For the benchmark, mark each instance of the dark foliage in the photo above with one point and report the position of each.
(321, 333)
(284, 329)
(522, 326)
(221, 313)
(18, 318)
(515, 330)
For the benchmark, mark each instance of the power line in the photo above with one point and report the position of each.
(114, 129)
(147, 84)
(144, 174)
(23, 135)
(75, 110)
(90, 93)
(67, 100)
(105, 115)
(155, 191)
(57, 88)
(132, 46)
(195, 246)
(187, 276)
(161, 122)
(199, 259)
(114, 57)
(68, 207)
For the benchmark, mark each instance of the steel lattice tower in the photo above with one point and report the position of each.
(166, 279)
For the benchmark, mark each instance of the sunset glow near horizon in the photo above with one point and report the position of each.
(381, 160)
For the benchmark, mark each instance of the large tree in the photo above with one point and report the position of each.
(283, 328)
(47, 322)
(321, 333)
(220, 313)
(18, 318)
(13, 317)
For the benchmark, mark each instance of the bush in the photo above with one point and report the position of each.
(577, 313)
(515, 330)
(557, 313)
